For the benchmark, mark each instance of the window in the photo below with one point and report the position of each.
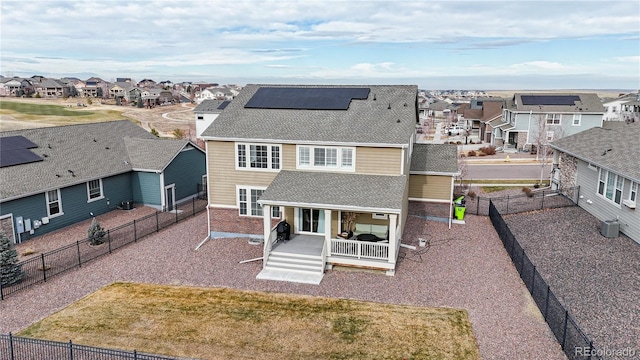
(553, 119)
(94, 190)
(200, 117)
(610, 186)
(322, 157)
(257, 156)
(54, 205)
(248, 202)
(311, 221)
(549, 135)
(576, 119)
(633, 194)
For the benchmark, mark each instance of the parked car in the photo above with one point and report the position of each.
(454, 130)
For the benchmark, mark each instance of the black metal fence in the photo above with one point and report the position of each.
(526, 201)
(574, 342)
(47, 265)
(21, 348)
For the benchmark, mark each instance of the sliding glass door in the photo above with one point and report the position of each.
(310, 221)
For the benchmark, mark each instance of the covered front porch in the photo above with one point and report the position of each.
(328, 225)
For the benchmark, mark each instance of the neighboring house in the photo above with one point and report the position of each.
(478, 115)
(624, 108)
(51, 88)
(441, 109)
(207, 112)
(13, 87)
(214, 94)
(335, 162)
(604, 163)
(144, 83)
(530, 119)
(56, 176)
(120, 91)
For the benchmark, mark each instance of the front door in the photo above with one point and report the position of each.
(310, 221)
(169, 196)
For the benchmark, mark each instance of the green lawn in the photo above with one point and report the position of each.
(40, 109)
(221, 323)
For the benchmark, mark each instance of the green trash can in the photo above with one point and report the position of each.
(459, 211)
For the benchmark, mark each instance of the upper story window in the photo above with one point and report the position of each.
(94, 190)
(258, 156)
(610, 186)
(633, 194)
(576, 119)
(326, 157)
(553, 119)
(54, 204)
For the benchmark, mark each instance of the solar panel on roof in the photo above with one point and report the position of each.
(16, 142)
(567, 100)
(305, 98)
(17, 157)
(223, 104)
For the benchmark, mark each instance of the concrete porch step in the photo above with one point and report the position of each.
(303, 277)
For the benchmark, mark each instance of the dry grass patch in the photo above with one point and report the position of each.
(217, 323)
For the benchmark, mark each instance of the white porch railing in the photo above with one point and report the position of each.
(268, 244)
(360, 249)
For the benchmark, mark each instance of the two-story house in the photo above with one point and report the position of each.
(478, 115)
(604, 164)
(333, 162)
(206, 112)
(529, 119)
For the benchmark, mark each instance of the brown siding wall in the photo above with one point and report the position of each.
(436, 187)
(383, 161)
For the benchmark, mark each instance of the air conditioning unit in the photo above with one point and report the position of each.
(610, 228)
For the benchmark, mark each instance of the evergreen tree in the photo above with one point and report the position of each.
(10, 271)
(96, 233)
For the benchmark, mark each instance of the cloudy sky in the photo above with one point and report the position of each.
(434, 44)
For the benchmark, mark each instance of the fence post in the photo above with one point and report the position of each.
(546, 303)
(157, 223)
(533, 281)
(193, 206)
(522, 263)
(109, 240)
(542, 202)
(176, 210)
(478, 206)
(135, 354)
(1, 292)
(564, 333)
(135, 234)
(11, 346)
(78, 248)
(44, 269)
(70, 350)
(590, 349)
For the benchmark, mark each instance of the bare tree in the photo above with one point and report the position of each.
(546, 130)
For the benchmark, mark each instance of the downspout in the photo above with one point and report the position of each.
(451, 203)
(209, 188)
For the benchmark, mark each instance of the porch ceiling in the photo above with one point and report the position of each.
(339, 191)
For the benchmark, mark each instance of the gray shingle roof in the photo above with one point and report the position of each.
(366, 121)
(441, 158)
(592, 146)
(589, 103)
(336, 190)
(90, 151)
(209, 107)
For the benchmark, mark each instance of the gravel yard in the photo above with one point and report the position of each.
(465, 267)
(596, 278)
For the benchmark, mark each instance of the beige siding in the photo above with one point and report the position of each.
(432, 187)
(383, 161)
(224, 177)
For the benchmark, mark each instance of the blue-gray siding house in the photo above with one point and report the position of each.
(61, 175)
(604, 163)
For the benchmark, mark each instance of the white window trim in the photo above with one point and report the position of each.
(89, 199)
(578, 117)
(46, 195)
(338, 166)
(606, 182)
(552, 117)
(248, 189)
(633, 190)
(248, 152)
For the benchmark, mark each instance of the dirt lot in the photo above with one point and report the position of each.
(162, 118)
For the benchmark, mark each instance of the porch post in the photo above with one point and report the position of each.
(327, 231)
(266, 220)
(393, 224)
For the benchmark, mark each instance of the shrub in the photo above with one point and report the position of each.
(472, 153)
(458, 142)
(488, 150)
(481, 154)
(472, 194)
(96, 233)
(154, 132)
(526, 189)
(89, 101)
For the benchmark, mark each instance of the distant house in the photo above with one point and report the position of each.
(604, 164)
(120, 91)
(478, 115)
(214, 94)
(624, 108)
(56, 176)
(206, 112)
(530, 118)
(52, 88)
(15, 87)
(145, 83)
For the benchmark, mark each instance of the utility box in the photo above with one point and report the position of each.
(610, 228)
